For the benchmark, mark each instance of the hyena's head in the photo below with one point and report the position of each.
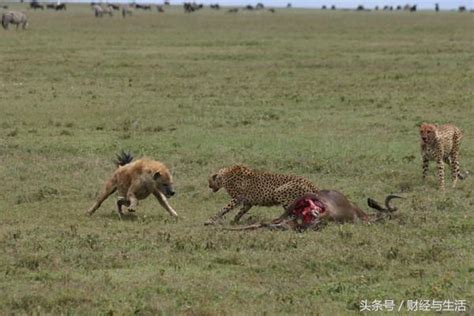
(164, 182)
(215, 182)
(427, 133)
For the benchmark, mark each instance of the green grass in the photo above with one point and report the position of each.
(332, 96)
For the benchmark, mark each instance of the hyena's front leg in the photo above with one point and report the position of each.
(109, 188)
(440, 163)
(213, 220)
(135, 187)
(164, 202)
(133, 201)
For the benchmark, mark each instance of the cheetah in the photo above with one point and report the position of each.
(249, 188)
(441, 144)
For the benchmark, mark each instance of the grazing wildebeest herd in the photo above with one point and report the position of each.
(100, 9)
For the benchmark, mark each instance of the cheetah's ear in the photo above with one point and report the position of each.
(214, 177)
(156, 175)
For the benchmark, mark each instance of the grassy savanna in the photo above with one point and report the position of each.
(332, 96)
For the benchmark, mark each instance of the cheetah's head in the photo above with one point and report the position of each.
(215, 182)
(427, 132)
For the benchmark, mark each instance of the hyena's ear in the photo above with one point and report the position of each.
(156, 175)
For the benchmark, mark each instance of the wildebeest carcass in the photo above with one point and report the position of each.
(36, 5)
(14, 17)
(312, 210)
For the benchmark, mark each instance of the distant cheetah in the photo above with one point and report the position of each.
(441, 144)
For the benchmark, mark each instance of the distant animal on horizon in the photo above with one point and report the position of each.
(233, 10)
(99, 11)
(60, 7)
(116, 7)
(136, 180)
(126, 10)
(160, 9)
(35, 5)
(441, 143)
(143, 6)
(191, 7)
(14, 17)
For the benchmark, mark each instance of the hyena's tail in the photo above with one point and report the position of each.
(123, 158)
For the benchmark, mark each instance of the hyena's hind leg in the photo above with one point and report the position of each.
(122, 201)
(109, 188)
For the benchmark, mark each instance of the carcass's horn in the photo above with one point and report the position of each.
(387, 202)
(375, 205)
(388, 208)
